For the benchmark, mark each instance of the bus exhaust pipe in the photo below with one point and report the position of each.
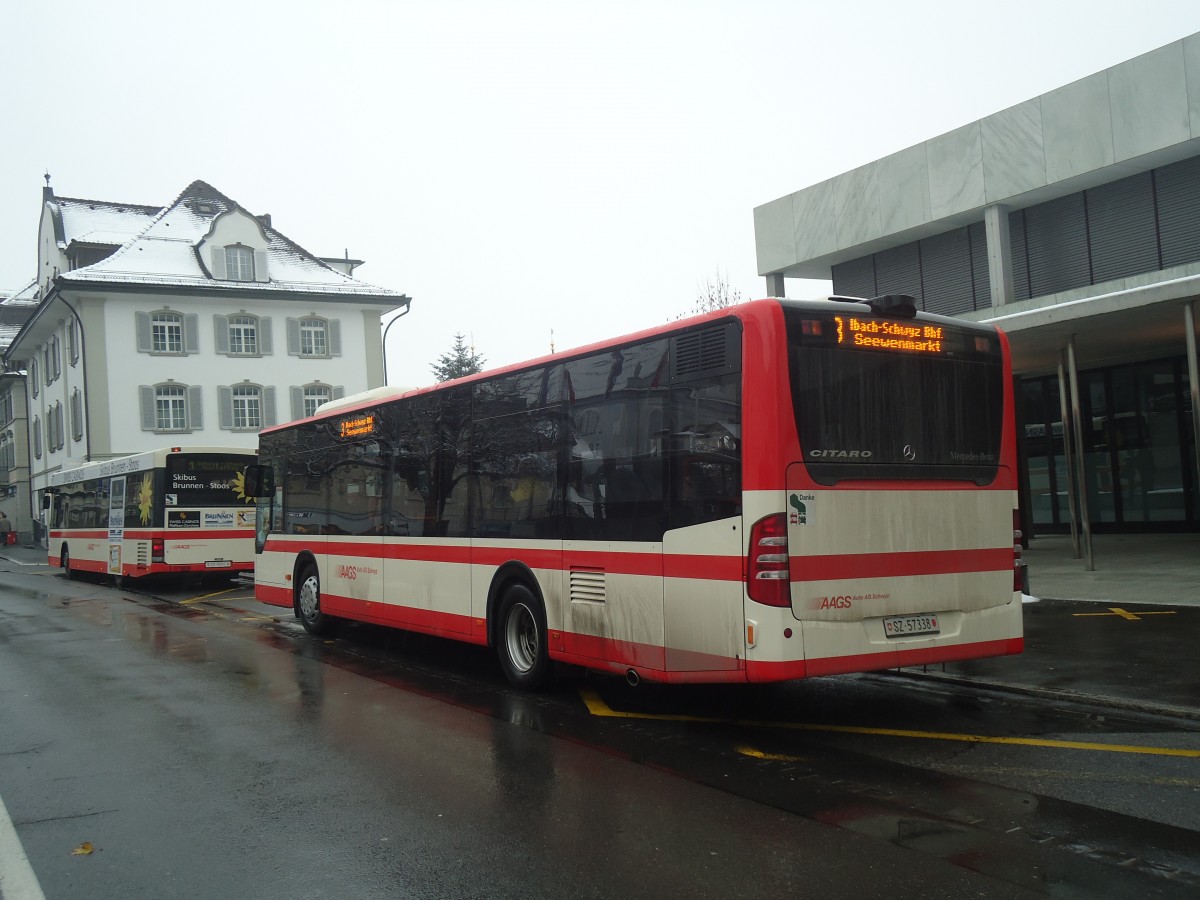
(632, 677)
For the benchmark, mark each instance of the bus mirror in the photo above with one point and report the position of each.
(259, 481)
(47, 500)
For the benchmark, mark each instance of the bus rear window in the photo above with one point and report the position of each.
(204, 480)
(895, 398)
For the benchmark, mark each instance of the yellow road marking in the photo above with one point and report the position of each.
(598, 707)
(206, 596)
(775, 757)
(1126, 614)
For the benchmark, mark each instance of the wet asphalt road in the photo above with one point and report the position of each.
(205, 750)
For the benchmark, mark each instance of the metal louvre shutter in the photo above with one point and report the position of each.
(1178, 192)
(980, 275)
(898, 270)
(1020, 259)
(946, 273)
(855, 278)
(1058, 251)
(1121, 229)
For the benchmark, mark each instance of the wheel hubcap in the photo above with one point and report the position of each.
(521, 637)
(310, 597)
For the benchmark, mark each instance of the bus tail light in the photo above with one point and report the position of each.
(156, 550)
(768, 575)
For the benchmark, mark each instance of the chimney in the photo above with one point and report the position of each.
(265, 220)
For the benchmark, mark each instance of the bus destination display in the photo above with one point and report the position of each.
(874, 334)
(357, 427)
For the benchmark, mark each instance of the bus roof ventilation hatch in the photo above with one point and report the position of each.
(898, 306)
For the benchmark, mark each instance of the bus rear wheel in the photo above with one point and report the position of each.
(308, 602)
(521, 639)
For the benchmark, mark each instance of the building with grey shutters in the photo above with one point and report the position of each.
(197, 323)
(1072, 221)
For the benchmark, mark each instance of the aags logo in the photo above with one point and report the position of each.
(347, 572)
(842, 602)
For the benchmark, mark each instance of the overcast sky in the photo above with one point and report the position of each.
(516, 168)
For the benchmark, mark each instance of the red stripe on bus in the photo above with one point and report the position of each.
(146, 534)
(885, 565)
(614, 562)
(891, 659)
(427, 621)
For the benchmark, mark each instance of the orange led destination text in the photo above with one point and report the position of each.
(359, 426)
(875, 335)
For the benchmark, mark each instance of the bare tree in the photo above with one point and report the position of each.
(715, 294)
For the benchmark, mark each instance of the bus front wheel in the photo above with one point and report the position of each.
(64, 561)
(308, 602)
(521, 639)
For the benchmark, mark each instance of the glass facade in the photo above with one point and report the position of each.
(1138, 449)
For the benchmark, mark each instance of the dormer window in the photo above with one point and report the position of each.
(239, 263)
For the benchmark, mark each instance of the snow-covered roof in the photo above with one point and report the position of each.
(100, 222)
(15, 309)
(164, 253)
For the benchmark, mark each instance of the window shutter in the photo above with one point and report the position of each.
(77, 415)
(191, 333)
(268, 407)
(225, 406)
(218, 264)
(57, 357)
(145, 341)
(260, 266)
(338, 392)
(146, 395)
(297, 402)
(293, 337)
(335, 337)
(221, 332)
(264, 335)
(195, 408)
(1177, 188)
(37, 437)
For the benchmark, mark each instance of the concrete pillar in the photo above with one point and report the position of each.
(1081, 470)
(775, 285)
(1069, 453)
(999, 254)
(1189, 323)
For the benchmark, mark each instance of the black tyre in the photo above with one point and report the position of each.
(521, 639)
(64, 560)
(308, 602)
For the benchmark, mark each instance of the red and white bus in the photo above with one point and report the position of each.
(777, 490)
(174, 510)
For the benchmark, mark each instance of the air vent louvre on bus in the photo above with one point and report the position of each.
(588, 585)
(705, 353)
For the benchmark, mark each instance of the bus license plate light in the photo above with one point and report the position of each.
(904, 626)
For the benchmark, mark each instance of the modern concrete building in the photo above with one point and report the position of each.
(1072, 221)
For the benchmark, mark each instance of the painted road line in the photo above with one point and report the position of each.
(206, 596)
(773, 757)
(17, 879)
(1125, 614)
(598, 707)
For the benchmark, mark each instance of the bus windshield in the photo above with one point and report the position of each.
(204, 480)
(895, 398)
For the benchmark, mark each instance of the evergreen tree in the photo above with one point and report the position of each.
(459, 361)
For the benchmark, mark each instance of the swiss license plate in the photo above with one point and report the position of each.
(217, 564)
(903, 626)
